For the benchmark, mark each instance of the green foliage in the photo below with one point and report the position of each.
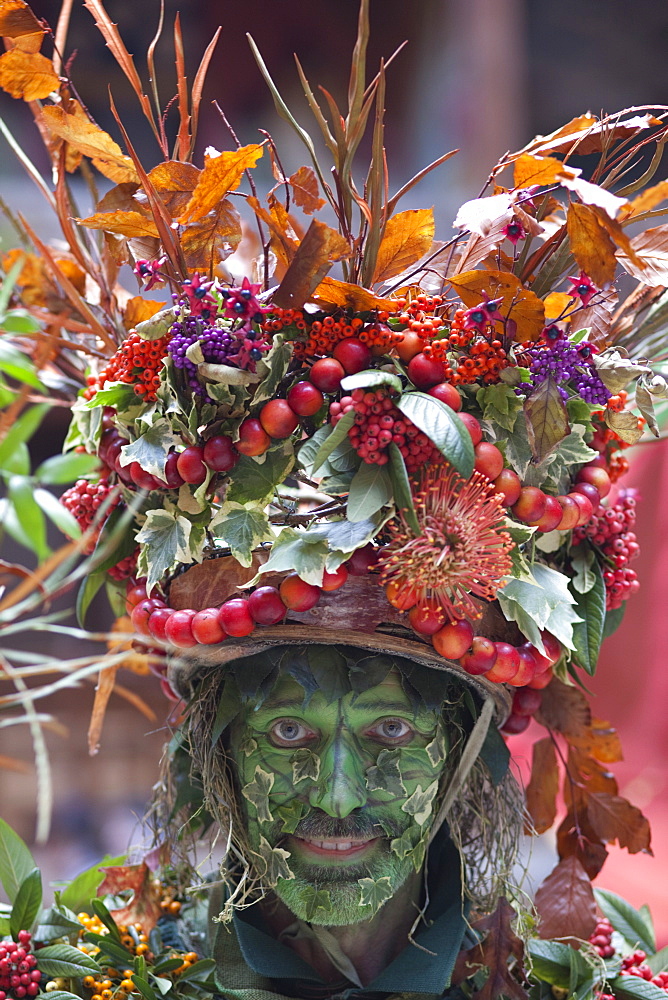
(16, 861)
(27, 903)
(442, 426)
(67, 961)
(255, 480)
(370, 491)
(242, 527)
(634, 925)
(588, 632)
(370, 380)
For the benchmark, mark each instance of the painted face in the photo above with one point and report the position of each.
(338, 795)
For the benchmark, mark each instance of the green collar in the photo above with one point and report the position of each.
(414, 971)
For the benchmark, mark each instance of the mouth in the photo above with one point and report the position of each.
(334, 847)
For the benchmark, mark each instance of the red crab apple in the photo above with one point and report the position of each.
(326, 374)
(551, 517)
(586, 507)
(236, 618)
(411, 345)
(253, 439)
(527, 669)
(473, 427)
(515, 724)
(453, 640)
(482, 656)
(298, 595)
(446, 392)
(305, 399)
(266, 606)
(530, 505)
(190, 465)
(353, 355)
(426, 618)
(220, 453)
(570, 513)
(178, 629)
(488, 459)
(506, 665)
(597, 476)
(526, 701)
(206, 627)
(508, 484)
(278, 418)
(589, 491)
(142, 612)
(332, 581)
(424, 372)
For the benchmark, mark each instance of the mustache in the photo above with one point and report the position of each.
(323, 827)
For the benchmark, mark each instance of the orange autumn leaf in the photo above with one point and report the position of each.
(614, 818)
(555, 303)
(601, 741)
(592, 247)
(16, 19)
(586, 134)
(221, 174)
(174, 182)
(589, 773)
(565, 902)
(319, 249)
(144, 906)
(211, 240)
(334, 294)
(407, 237)
(284, 240)
(650, 249)
(565, 710)
(130, 224)
(92, 141)
(105, 685)
(648, 199)
(541, 170)
(138, 309)
(73, 273)
(523, 307)
(541, 795)
(27, 75)
(304, 185)
(27, 43)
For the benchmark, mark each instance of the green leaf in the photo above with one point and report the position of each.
(627, 921)
(152, 448)
(271, 369)
(257, 793)
(613, 619)
(63, 995)
(346, 536)
(500, 405)
(58, 921)
(370, 490)
(254, 481)
(442, 426)
(18, 463)
(119, 395)
(330, 669)
(588, 633)
(375, 892)
(116, 539)
(22, 430)
(90, 585)
(546, 419)
(61, 469)
(545, 603)
(551, 962)
(401, 487)
(636, 988)
(294, 551)
(370, 379)
(11, 525)
(19, 321)
(103, 914)
(658, 962)
(144, 987)
(582, 561)
(57, 513)
(385, 774)
(165, 538)
(15, 364)
(28, 513)
(242, 527)
(64, 960)
(420, 804)
(16, 861)
(337, 434)
(27, 903)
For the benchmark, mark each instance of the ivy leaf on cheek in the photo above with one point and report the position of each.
(257, 792)
(419, 805)
(305, 764)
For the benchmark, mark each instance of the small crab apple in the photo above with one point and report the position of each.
(427, 619)
(172, 477)
(424, 372)
(178, 629)
(305, 399)
(588, 490)
(586, 508)
(190, 465)
(220, 453)
(506, 665)
(530, 505)
(278, 418)
(332, 581)
(402, 598)
(473, 427)
(551, 517)
(454, 639)
(515, 724)
(597, 476)
(142, 612)
(411, 345)
(266, 606)
(482, 656)
(488, 459)
(326, 374)
(362, 560)
(446, 392)
(353, 355)
(253, 439)
(298, 595)
(206, 627)
(570, 513)
(157, 622)
(235, 617)
(508, 484)
(526, 701)
(527, 668)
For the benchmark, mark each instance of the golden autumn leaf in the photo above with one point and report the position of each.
(541, 794)
(221, 174)
(28, 43)
(16, 19)
(210, 240)
(175, 182)
(284, 240)
(105, 685)
(555, 303)
(334, 294)
(541, 170)
(73, 273)
(592, 247)
(319, 249)
(586, 134)
(601, 741)
(138, 309)
(407, 237)
(651, 249)
(648, 199)
(524, 309)
(27, 75)
(129, 224)
(304, 186)
(92, 141)
(587, 772)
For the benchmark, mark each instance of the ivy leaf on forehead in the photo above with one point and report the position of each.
(290, 815)
(305, 764)
(375, 891)
(257, 793)
(369, 672)
(429, 685)
(385, 775)
(276, 860)
(330, 670)
(317, 902)
(255, 676)
(419, 805)
(296, 664)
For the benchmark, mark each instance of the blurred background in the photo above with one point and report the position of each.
(483, 76)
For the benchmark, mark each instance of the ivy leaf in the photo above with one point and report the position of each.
(546, 419)
(152, 448)
(294, 551)
(16, 861)
(407, 842)
(370, 490)
(375, 892)
(271, 369)
(318, 902)
(542, 790)
(242, 527)
(253, 480)
(588, 633)
(370, 379)
(437, 750)
(582, 561)
(333, 439)
(165, 540)
(401, 487)
(385, 774)
(443, 428)
(305, 764)
(26, 904)
(290, 815)
(565, 902)
(419, 805)
(500, 405)
(257, 792)
(330, 670)
(276, 861)
(634, 927)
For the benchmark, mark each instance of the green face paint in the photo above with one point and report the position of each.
(338, 794)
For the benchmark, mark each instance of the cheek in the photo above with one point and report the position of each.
(277, 763)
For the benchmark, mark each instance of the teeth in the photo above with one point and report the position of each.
(336, 845)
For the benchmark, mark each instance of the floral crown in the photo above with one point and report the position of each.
(438, 429)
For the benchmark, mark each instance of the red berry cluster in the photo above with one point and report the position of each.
(633, 964)
(137, 362)
(84, 499)
(610, 531)
(471, 354)
(418, 314)
(19, 975)
(378, 423)
(601, 938)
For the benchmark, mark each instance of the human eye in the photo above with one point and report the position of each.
(391, 731)
(290, 733)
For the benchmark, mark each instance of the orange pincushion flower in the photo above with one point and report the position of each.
(461, 552)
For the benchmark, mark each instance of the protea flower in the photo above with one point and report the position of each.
(461, 552)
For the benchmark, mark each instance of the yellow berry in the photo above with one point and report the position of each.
(51, 986)
(192, 956)
(107, 994)
(96, 996)
(127, 985)
(89, 982)
(142, 949)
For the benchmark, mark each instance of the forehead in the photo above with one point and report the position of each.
(388, 695)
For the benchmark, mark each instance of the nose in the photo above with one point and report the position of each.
(341, 786)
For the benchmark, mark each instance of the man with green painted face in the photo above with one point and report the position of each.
(331, 770)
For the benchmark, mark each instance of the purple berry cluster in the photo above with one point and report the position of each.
(218, 347)
(566, 362)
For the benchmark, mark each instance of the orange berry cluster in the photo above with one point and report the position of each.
(477, 359)
(419, 316)
(132, 935)
(278, 319)
(138, 363)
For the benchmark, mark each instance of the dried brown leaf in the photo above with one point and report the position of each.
(601, 741)
(575, 838)
(333, 294)
(284, 241)
(138, 309)
(624, 424)
(27, 75)
(175, 182)
(304, 185)
(597, 318)
(484, 215)
(93, 142)
(589, 773)
(221, 174)
(614, 818)
(546, 419)
(408, 235)
(592, 248)
(593, 194)
(499, 946)
(211, 240)
(127, 224)
(565, 710)
(651, 247)
(524, 309)
(319, 249)
(541, 170)
(105, 685)
(586, 134)
(16, 19)
(541, 793)
(144, 906)
(648, 199)
(565, 902)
